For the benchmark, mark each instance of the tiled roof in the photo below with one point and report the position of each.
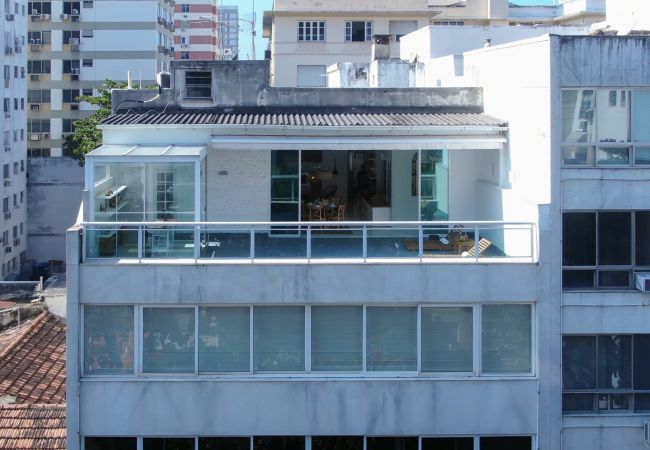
(10, 335)
(32, 427)
(347, 118)
(32, 368)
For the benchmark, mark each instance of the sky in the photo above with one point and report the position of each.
(246, 12)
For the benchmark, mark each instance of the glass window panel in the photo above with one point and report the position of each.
(110, 443)
(279, 443)
(577, 156)
(336, 338)
(614, 238)
(279, 338)
(612, 116)
(434, 185)
(448, 443)
(642, 156)
(168, 444)
(391, 341)
(618, 156)
(224, 443)
(578, 279)
(168, 340)
(614, 362)
(641, 361)
(224, 339)
(392, 443)
(578, 362)
(447, 340)
(619, 401)
(614, 278)
(507, 443)
(578, 402)
(108, 336)
(578, 115)
(640, 114)
(506, 338)
(579, 239)
(337, 443)
(642, 238)
(642, 402)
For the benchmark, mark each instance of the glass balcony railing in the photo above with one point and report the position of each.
(312, 241)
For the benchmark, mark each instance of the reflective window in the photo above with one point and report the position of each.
(224, 443)
(392, 443)
(224, 339)
(279, 443)
(336, 338)
(279, 338)
(109, 340)
(337, 443)
(506, 338)
(391, 339)
(447, 339)
(168, 340)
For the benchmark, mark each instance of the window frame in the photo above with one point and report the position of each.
(477, 345)
(368, 27)
(596, 392)
(597, 269)
(593, 145)
(317, 30)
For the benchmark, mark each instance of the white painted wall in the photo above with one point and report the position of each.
(627, 15)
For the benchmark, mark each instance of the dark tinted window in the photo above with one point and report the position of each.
(168, 444)
(642, 361)
(111, 443)
(576, 279)
(579, 362)
(614, 362)
(279, 443)
(579, 239)
(224, 443)
(506, 443)
(614, 238)
(642, 238)
(392, 443)
(337, 443)
(463, 443)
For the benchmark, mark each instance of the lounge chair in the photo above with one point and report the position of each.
(437, 245)
(483, 244)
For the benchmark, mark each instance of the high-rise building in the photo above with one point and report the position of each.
(13, 127)
(74, 46)
(229, 26)
(196, 35)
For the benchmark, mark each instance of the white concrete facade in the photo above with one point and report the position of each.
(532, 99)
(315, 51)
(13, 125)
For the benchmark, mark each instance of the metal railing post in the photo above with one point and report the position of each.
(365, 242)
(140, 242)
(477, 238)
(252, 249)
(197, 242)
(308, 242)
(420, 241)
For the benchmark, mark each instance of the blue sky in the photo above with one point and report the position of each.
(246, 12)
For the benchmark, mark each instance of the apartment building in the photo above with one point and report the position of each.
(74, 46)
(197, 35)
(308, 36)
(14, 137)
(577, 110)
(293, 271)
(229, 25)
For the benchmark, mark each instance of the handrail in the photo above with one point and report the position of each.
(328, 240)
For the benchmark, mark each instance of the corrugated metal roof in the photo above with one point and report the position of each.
(307, 119)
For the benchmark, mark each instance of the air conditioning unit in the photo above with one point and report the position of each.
(16, 242)
(75, 12)
(9, 17)
(73, 41)
(646, 432)
(74, 106)
(34, 137)
(36, 47)
(74, 76)
(45, 135)
(65, 16)
(45, 17)
(36, 18)
(7, 249)
(7, 183)
(35, 12)
(35, 107)
(642, 281)
(74, 71)
(34, 76)
(74, 48)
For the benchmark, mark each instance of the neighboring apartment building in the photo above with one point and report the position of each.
(307, 36)
(196, 34)
(229, 26)
(13, 127)
(74, 46)
(313, 269)
(578, 109)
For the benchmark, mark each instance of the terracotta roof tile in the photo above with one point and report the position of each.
(41, 427)
(32, 368)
